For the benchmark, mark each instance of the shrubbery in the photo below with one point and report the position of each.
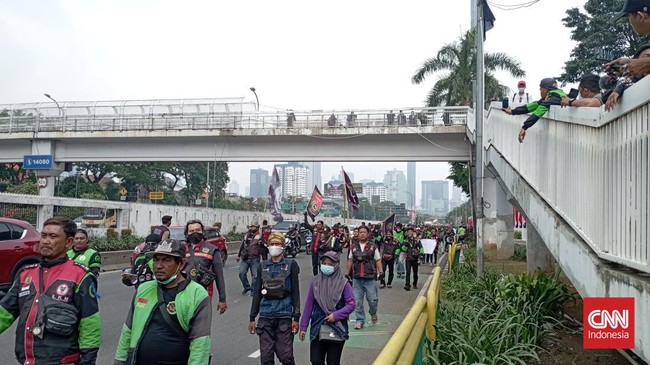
(114, 243)
(495, 319)
(520, 253)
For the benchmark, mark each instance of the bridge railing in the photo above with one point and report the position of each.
(205, 115)
(592, 167)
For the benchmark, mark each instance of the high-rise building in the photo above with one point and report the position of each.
(374, 189)
(259, 183)
(233, 187)
(314, 176)
(395, 183)
(435, 196)
(410, 180)
(293, 179)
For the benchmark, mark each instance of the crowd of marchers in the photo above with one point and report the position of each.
(55, 302)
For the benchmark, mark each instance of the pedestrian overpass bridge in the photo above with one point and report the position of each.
(581, 177)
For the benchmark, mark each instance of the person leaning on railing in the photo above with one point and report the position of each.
(551, 95)
(623, 83)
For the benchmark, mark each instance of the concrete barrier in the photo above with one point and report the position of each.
(118, 260)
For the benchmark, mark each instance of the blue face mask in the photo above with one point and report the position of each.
(327, 270)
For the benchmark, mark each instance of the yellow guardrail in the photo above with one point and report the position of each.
(408, 340)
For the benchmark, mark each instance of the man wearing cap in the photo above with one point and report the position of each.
(638, 13)
(521, 96)
(170, 318)
(276, 299)
(551, 95)
(252, 249)
(142, 270)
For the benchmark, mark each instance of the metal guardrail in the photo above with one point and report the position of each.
(205, 114)
(406, 346)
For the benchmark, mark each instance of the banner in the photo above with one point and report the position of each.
(388, 225)
(429, 245)
(274, 197)
(518, 218)
(351, 194)
(313, 208)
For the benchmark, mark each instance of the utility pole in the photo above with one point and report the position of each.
(479, 100)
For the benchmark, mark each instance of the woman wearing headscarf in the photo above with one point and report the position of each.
(329, 303)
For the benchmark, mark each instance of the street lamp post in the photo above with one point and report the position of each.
(55, 102)
(256, 98)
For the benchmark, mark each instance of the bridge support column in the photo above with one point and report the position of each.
(498, 224)
(537, 254)
(45, 180)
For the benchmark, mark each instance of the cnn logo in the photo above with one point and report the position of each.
(602, 319)
(608, 323)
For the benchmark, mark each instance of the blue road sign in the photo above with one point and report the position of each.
(35, 162)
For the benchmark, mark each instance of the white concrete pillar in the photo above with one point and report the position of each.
(498, 224)
(45, 179)
(537, 254)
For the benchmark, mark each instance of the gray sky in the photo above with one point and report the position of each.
(298, 54)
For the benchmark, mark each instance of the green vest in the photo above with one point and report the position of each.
(88, 258)
(146, 301)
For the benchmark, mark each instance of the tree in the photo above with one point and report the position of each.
(459, 60)
(598, 38)
(461, 212)
(459, 174)
(366, 210)
(78, 187)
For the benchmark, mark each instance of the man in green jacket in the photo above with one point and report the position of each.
(81, 253)
(412, 248)
(551, 95)
(170, 318)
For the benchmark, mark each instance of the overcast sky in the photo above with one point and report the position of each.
(298, 54)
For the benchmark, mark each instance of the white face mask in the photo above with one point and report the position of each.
(522, 89)
(276, 251)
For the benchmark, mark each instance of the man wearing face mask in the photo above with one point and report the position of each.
(521, 96)
(276, 299)
(170, 317)
(204, 263)
(252, 249)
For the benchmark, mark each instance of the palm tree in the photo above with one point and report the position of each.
(459, 59)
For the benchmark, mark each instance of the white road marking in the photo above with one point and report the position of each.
(255, 354)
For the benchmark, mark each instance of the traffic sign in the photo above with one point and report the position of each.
(36, 162)
(123, 191)
(156, 195)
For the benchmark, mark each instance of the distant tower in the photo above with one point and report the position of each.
(410, 179)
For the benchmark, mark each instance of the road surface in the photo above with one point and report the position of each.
(231, 343)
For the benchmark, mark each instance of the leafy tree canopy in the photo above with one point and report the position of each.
(598, 38)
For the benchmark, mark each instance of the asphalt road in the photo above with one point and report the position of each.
(231, 343)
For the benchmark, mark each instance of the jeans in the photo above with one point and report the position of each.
(400, 264)
(253, 265)
(367, 288)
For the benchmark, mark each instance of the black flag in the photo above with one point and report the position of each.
(352, 197)
(388, 225)
(274, 197)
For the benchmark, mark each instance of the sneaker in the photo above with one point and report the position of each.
(358, 326)
(389, 286)
(374, 319)
(407, 288)
(246, 291)
(382, 285)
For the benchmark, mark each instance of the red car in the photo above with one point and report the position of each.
(18, 248)
(211, 234)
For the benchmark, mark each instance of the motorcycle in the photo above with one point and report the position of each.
(291, 247)
(308, 244)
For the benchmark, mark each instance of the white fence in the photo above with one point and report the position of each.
(592, 167)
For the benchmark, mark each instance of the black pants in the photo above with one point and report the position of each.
(315, 262)
(320, 350)
(411, 265)
(276, 338)
(390, 264)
